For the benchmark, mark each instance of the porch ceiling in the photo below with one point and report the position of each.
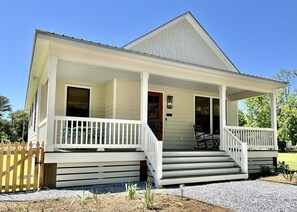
(91, 73)
(98, 74)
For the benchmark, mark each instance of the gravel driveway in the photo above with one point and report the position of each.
(245, 195)
(240, 195)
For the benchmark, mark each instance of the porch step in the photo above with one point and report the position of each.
(198, 166)
(200, 172)
(185, 166)
(193, 153)
(197, 159)
(201, 179)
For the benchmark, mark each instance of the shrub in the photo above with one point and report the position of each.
(282, 167)
(148, 199)
(265, 171)
(131, 190)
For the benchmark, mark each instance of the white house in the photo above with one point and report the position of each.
(110, 114)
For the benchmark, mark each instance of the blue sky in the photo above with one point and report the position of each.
(260, 37)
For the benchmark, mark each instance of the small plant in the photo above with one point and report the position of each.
(289, 175)
(265, 171)
(95, 195)
(82, 198)
(131, 189)
(282, 167)
(148, 199)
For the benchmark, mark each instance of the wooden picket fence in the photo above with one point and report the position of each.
(21, 166)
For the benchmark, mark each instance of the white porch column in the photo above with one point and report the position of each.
(144, 96)
(51, 97)
(273, 118)
(222, 89)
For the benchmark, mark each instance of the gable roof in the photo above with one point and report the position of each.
(213, 52)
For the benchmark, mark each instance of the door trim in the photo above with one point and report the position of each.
(162, 92)
(77, 86)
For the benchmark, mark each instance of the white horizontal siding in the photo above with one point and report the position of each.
(77, 174)
(232, 114)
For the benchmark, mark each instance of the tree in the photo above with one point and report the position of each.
(242, 121)
(258, 109)
(5, 106)
(4, 129)
(19, 120)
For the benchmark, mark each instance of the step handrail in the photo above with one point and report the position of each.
(153, 150)
(236, 149)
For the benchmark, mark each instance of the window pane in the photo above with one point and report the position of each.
(216, 116)
(202, 113)
(78, 102)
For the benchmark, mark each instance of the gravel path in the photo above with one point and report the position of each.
(67, 192)
(240, 195)
(245, 195)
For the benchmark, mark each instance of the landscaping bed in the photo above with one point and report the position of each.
(111, 202)
(279, 179)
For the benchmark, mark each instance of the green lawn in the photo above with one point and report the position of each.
(289, 158)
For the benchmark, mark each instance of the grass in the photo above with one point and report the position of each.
(289, 158)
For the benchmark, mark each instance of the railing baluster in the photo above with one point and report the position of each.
(114, 134)
(127, 134)
(71, 131)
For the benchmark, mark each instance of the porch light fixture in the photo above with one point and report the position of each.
(169, 102)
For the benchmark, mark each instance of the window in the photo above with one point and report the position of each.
(207, 114)
(202, 113)
(78, 102)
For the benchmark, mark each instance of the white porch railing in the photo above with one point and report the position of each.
(236, 149)
(153, 150)
(256, 138)
(79, 132)
(42, 130)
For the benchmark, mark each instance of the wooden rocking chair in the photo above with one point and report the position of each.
(204, 141)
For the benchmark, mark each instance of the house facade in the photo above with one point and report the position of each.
(110, 114)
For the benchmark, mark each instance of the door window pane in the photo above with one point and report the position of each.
(216, 116)
(78, 102)
(202, 113)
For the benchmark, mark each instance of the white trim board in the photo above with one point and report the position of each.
(77, 86)
(83, 157)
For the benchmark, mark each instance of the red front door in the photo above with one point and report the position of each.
(155, 113)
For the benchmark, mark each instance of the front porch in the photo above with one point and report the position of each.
(119, 111)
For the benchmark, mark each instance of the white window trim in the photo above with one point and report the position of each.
(77, 86)
(210, 108)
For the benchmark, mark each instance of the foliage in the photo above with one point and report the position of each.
(282, 167)
(18, 123)
(4, 129)
(265, 171)
(5, 106)
(148, 199)
(258, 109)
(13, 126)
(82, 198)
(289, 175)
(131, 189)
(242, 120)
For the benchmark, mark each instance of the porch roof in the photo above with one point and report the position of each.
(53, 37)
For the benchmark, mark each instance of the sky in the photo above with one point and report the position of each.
(259, 37)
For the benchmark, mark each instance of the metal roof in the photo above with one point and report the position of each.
(129, 51)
